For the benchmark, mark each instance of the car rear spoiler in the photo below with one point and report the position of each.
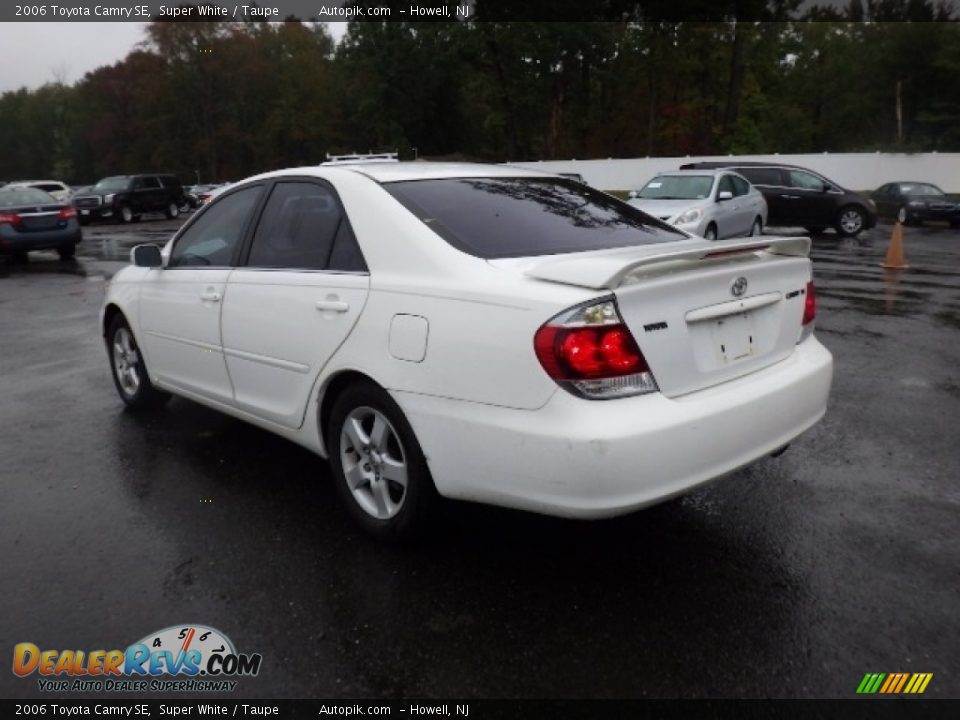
(609, 268)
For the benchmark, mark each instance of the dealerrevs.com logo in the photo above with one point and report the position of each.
(181, 658)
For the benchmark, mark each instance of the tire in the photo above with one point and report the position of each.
(903, 217)
(128, 369)
(172, 211)
(851, 220)
(125, 214)
(370, 474)
(814, 230)
(67, 251)
(757, 228)
(83, 220)
(711, 232)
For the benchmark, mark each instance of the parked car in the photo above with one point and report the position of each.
(210, 192)
(58, 190)
(34, 220)
(709, 203)
(476, 332)
(127, 197)
(799, 197)
(914, 202)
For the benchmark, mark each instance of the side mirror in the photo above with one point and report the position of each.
(724, 195)
(146, 256)
(632, 195)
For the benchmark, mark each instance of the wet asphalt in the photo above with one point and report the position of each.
(791, 578)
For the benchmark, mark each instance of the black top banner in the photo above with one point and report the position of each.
(461, 10)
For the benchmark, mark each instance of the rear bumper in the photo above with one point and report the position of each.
(591, 459)
(12, 241)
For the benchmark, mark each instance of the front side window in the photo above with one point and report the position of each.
(298, 229)
(804, 180)
(726, 185)
(921, 189)
(740, 186)
(213, 238)
(500, 217)
(115, 183)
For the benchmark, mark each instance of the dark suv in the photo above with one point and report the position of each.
(127, 197)
(799, 197)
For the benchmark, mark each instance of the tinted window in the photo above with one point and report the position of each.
(761, 176)
(740, 186)
(516, 217)
(346, 255)
(212, 239)
(168, 181)
(145, 183)
(920, 189)
(297, 229)
(49, 187)
(113, 183)
(805, 180)
(726, 185)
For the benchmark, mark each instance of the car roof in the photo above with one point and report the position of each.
(697, 171)
(425, 170)
(34, 182)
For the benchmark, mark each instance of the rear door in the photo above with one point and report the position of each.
(811, 203)
(770, 182)
(743, 207)
(293, 301)
(180, 303)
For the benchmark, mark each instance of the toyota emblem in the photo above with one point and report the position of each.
(739, 286)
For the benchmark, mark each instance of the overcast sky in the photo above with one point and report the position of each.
(32, 54)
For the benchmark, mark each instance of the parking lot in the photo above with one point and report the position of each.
(791, 578)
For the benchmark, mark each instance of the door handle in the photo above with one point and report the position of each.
(211, 296)
(333, 305)
(790, 197)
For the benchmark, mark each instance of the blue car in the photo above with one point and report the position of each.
(33, 220)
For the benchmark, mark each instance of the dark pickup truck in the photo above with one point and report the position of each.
(126, 197)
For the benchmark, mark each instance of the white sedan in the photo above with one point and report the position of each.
(474, 332)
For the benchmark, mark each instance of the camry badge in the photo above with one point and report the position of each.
(739, 286)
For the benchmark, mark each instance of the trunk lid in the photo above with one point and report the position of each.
(701, 312)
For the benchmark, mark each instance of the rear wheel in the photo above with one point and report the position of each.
(851, 220)
(711, 232)
(379, 469)
(67, 252)
(128, 369)
(756, 228)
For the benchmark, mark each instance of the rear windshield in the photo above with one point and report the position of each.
(519, 217)
(26, 196)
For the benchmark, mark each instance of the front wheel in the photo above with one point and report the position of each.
(173, 210)
(379, 469)
(67, 251)
(128, 369)
(756, 228)
(850, 220)
(125, 214)
(903, 217)
(711, 232)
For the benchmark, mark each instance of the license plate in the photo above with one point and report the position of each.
(84, 212)
(733, 338)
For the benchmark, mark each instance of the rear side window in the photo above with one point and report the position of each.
(145, 183)
(213, 238)
(303, 227)
(804, 180)
(517, 217)
(762, 176)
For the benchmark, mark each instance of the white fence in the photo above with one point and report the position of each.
(856, 171)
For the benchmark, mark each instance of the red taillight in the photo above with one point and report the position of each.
(590, 350)
(809, 304)
(67, 213)
(9, 218)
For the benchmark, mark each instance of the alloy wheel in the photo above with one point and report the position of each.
(373, 462)
(126, 361)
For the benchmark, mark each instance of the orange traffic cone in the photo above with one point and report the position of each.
(894, 259)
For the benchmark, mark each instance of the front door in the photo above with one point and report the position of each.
(180, 303)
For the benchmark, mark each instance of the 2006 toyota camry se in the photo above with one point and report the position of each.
(475, 332)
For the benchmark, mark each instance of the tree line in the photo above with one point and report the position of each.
(222, 100)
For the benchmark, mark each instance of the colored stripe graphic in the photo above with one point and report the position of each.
(894, 683)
